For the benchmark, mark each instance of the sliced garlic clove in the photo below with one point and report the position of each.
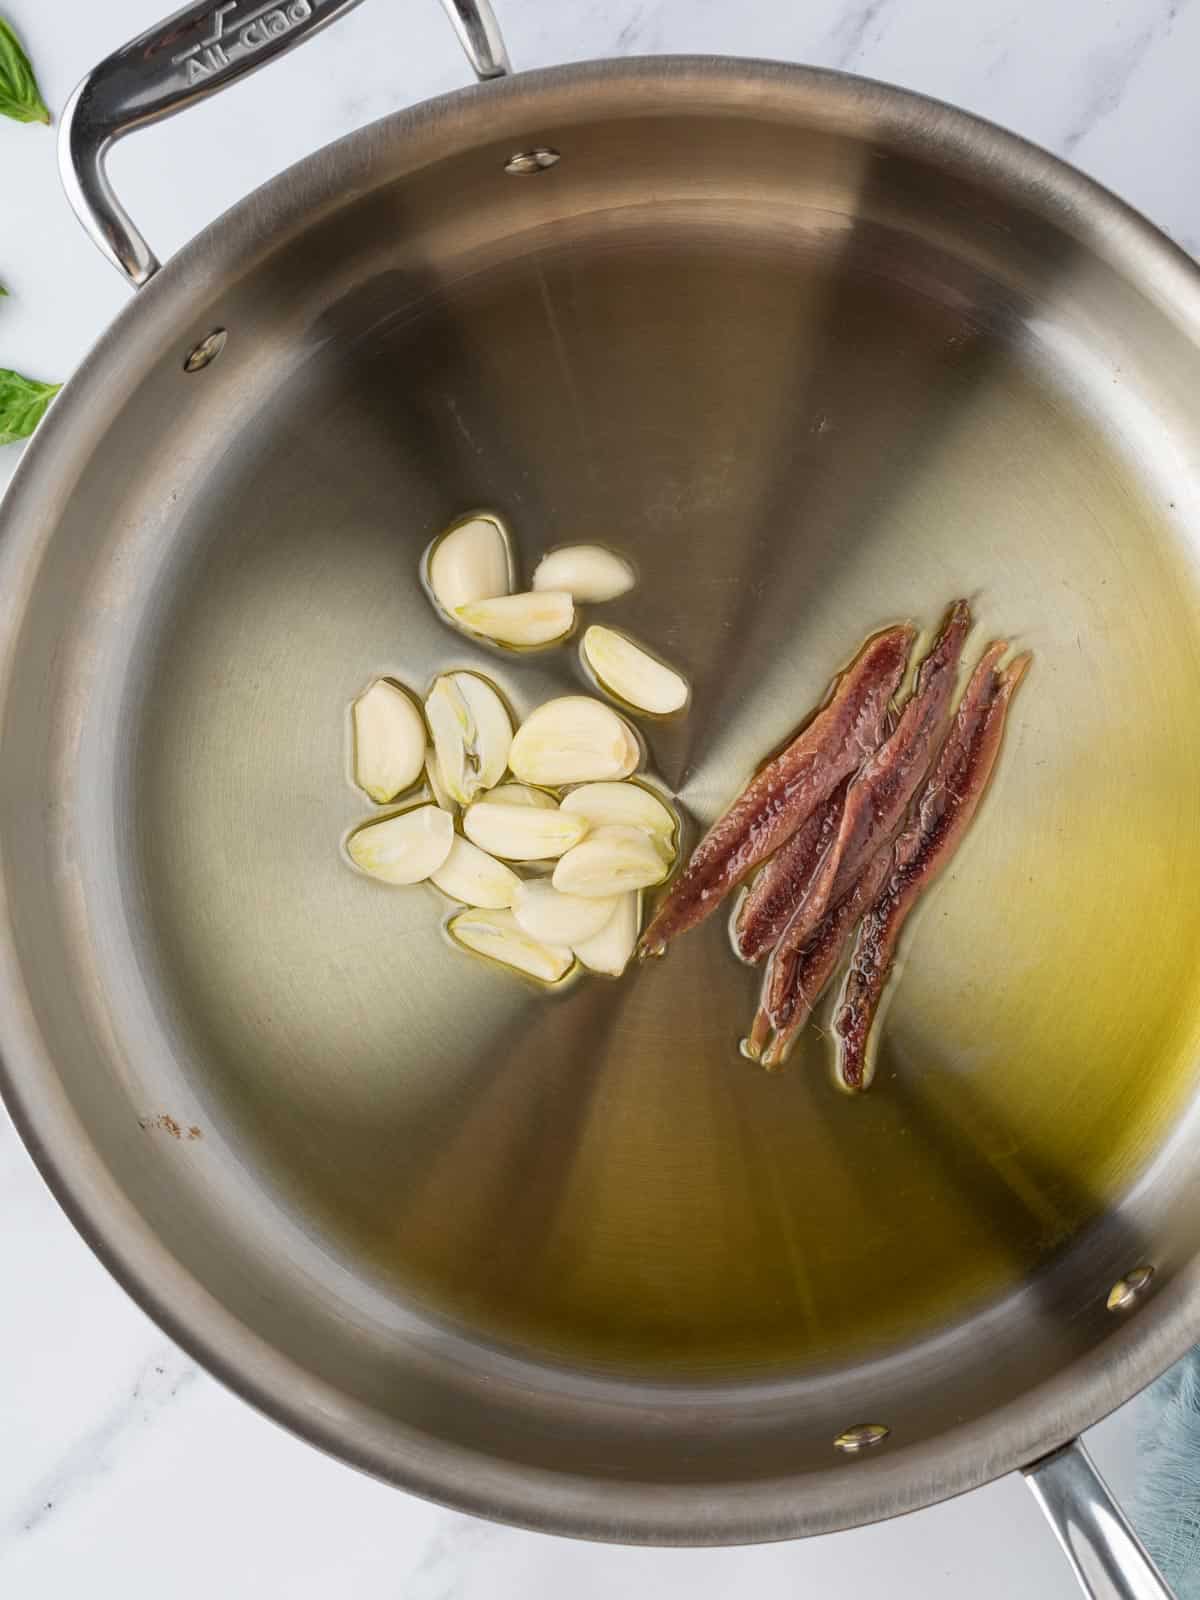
(471, 561)
(574, 739)
(628, 804)
(389, 741)
(519, 794)
(406, 848)
(497, 935)
(521, 619)
(433, 777)
(555, 918)
(632, 753)
(631, 673)
(610, 950)
(522, 833)
(471, 733)
(471, 875)
(586, 572)
(611, 860)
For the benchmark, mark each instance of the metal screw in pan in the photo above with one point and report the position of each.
(862, 1436)
(206, 351)
(1127, 1291)
(527, 162)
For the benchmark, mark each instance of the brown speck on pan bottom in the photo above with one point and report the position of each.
(168, 1124)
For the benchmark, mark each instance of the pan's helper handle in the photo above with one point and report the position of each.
(1109, 1559)
(203, 48)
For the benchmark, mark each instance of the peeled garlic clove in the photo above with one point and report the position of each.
(574, 739)
(405, 848)
(471, 561)
(522, 833)
(610, 950)
(586, 572)
(628, 804)
(519, 794)
(471, 733)
(471, 875)
(496, 934)
(433, 777)
(554, 918)
(633, 750)
(611, 860)
(631, 673)
(389, 741)
(520, 619)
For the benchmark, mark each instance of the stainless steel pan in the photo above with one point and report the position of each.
(815, 354)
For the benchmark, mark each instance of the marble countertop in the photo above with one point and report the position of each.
(123, 1467)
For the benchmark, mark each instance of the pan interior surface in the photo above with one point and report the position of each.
(809, 382)
(790, 457)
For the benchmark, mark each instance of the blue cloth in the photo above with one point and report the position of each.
(1166, 1512)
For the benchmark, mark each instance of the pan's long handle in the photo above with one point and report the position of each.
(1109, 1559)
(191, 55)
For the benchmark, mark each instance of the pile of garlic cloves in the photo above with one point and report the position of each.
(541, 830)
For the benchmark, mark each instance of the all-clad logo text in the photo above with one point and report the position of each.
(231, 36)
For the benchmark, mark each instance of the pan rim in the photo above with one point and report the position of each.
(888, 1484)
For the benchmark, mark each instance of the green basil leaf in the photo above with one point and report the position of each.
(20, 97)
(23, 403)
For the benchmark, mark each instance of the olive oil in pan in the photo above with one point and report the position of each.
(597, 1174)
(653, 1201)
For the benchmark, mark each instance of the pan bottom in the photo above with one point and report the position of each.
(793, 448)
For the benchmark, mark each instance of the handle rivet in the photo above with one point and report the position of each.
(862, 1436)
(526, 162)
(1127, 1291)
(206, 351)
